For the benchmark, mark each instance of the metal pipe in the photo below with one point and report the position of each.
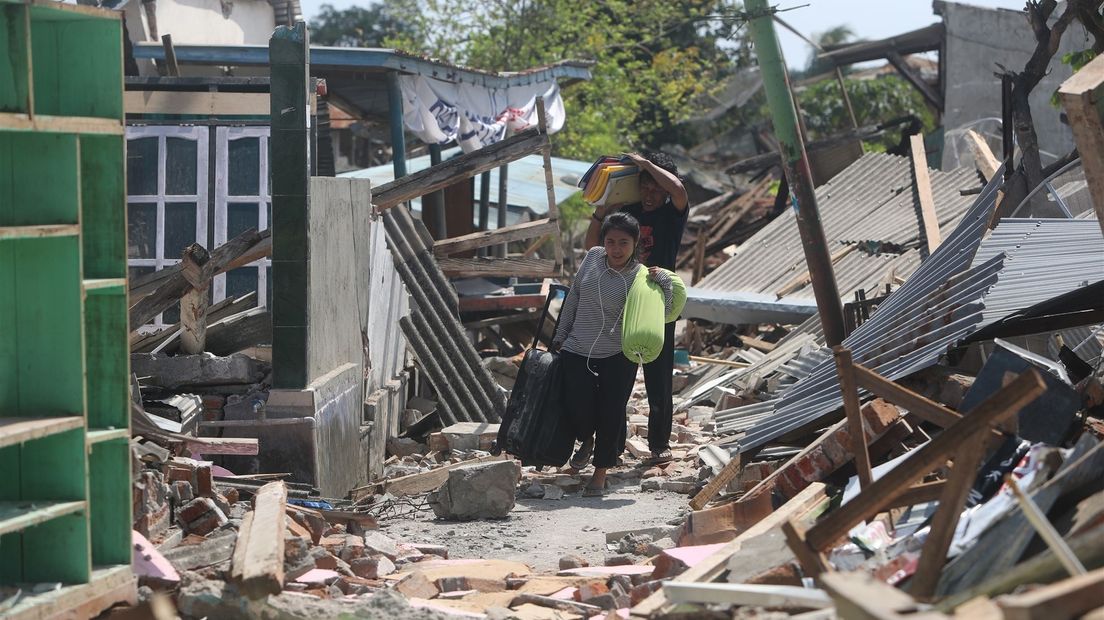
(395, 112)
(795, 165)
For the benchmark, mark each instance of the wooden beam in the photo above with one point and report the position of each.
(921, 180)
(483, 267)
(986, 162)
(731, 469)
(172, 288)
(719, 362)
(902, 67)
(457, 169)
(546, 155)
(711, 567)
(917, 405)
(193, 304)
(246, 446)
(859, 596)
(1083, 97)
(484, 238)
(423, 482)
(257, 564)
(491, 303)
(812, 561)
(193, 103)
(144, 343)
(884, 490)
(919, 493)
(748, 594)
(171, 67)
(951, 502)
(851, 407)
(699, 254)
(146, 284)
(1069, 598)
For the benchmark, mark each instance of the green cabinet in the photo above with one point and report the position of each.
(65, 488)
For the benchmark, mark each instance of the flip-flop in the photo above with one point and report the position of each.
(662, 457)
(588, 492)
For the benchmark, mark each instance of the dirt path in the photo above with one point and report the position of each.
(538, 531)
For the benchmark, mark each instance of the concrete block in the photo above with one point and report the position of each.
(484, 490)
(179, 371)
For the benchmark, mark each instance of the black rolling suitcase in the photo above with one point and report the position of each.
(535, 428)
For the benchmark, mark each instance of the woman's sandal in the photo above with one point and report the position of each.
(589, 492)
(661, 457)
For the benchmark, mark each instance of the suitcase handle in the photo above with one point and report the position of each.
(553, 292)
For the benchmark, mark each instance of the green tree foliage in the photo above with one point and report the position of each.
(875, 101)
(357, 26)
(652, 58)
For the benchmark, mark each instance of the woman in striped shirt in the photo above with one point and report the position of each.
(598, 378)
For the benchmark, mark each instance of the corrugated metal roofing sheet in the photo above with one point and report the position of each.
(934, 308)
(1045, 258)
(525, 179)
(871, 200)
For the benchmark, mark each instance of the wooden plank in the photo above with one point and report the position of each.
(493, 303)
(144, 343)
(172, 68)
(1083, 99)
(699, 255)
(21, 514)
(1053, 539)
(191, 103)
(480, 267)
(258, 561)
(484, 238)
(919, 493)
(220, 445)
(719, 362)
(423, 482)
(60, 124)
(506, 319)
(240, 331)
(458, 168)
(846, 371)
(8, 233)
(917, 405)
(107, 586)
(884, 490)
(720, 481)
(18, 430)
(148, 283)
(710, 568)
(95, 437)
(859, 596)
(756, 343)
(922, 182)
(747, 594)
(193, 304)
(568, 605)
(546, 156)
(953, 499)
(986, 162)
(812, 561)
(1069, 598)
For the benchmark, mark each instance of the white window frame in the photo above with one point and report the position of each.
(223, 136)
(162, 133)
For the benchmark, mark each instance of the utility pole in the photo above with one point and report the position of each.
(795, 165)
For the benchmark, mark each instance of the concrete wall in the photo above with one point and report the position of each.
(977, 40)
(336, 220)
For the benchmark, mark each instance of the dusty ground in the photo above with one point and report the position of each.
(540, 531)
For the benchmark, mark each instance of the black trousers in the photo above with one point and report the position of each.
(597, 401)
(657, 379)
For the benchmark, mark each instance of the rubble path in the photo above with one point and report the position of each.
(539, 532)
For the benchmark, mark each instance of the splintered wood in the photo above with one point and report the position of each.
(258, 560)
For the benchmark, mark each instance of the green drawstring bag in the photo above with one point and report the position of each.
(642, 325)
(678, 296)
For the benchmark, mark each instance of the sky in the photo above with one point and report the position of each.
(869, 19)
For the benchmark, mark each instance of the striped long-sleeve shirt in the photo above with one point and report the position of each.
(590, 320)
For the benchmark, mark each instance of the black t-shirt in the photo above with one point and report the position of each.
(660, 233)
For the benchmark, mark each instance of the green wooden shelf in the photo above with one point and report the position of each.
(18, 430)
(19, 515)
(65, 492)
